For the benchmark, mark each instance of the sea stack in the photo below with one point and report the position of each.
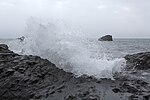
(106, 38)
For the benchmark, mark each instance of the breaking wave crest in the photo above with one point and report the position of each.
(70, 49)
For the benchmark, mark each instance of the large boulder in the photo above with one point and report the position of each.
(106, 38)
(140, 61)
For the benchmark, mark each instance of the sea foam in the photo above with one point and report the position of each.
(68, 48)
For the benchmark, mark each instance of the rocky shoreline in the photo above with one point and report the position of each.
(27, 77)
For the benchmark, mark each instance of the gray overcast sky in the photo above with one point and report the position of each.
(121, 18)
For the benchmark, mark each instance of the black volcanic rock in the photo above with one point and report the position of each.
(23, 77)
(4, 49)
(106, 38)
(140, 61)
(27, 77)
(21, 38)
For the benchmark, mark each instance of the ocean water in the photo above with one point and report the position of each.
(115, 49)
(108, 55)
(121, 47)
(74, 51)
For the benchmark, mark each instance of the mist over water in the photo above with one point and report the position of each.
(70, 49)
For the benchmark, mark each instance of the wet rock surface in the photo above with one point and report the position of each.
(30, 77)
(106, 38)
(140, 61)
